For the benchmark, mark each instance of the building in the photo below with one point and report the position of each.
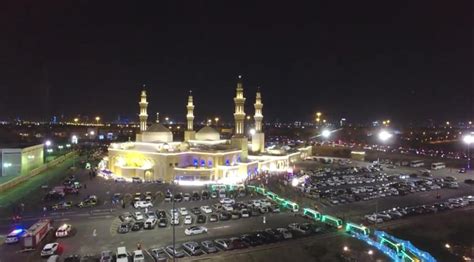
(203, 156)
(19, 159)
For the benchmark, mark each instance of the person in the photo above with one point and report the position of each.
(264, 220)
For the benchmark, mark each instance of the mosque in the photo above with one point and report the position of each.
(203, 157)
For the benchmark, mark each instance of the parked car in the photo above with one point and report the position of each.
(159, 254)
(201, 219)
(177, 251)
(138, 256)
(126, 217)
(150, 223)
(142, 204)
(224, 244)
(188, 220)
(137, 225)
(138, 216)
(206, 209)
(163, 222)
(193, 248)
(213, 218)
(106, 256)
(124, 228)
(209, 246)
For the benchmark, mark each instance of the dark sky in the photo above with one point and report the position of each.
(405, 60)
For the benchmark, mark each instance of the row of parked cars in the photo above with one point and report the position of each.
(267, 236)
(400, 212)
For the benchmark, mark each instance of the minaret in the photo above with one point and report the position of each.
(239, 114)
(239, 139)
(190, 134)
(258, 139)
(258, 112)
(143, 111)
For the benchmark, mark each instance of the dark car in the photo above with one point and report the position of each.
(224, 216)
(237, 243)
(137, 225)
(178, 197)
(251, 240)
(201, 219)
(124, 228)
(163, 222)
(196, 196)
(196, 211)
(161, 214)
(204, 195)
(224, 244)
(275, 234)
(213, 218)
(265, 237)
(72, 258)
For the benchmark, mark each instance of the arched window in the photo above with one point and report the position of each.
(227, 162)
(209, 163)
(195, 162)
(203, 163)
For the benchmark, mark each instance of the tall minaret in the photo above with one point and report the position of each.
(143, 111)
(258, 139)
(239, 139)
(190, 134)
(239, 114)
(258, 111)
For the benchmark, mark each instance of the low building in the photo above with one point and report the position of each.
(20, 159)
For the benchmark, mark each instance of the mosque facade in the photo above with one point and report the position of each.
(203, 157)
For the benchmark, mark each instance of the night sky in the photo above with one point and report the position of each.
(404, 60)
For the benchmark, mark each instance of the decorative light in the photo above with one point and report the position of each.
(370, 252)
(345, 248)
(47, 143)
(448, 246)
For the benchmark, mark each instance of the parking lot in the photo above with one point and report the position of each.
(96, 225)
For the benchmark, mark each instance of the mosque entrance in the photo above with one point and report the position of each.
(149, 175)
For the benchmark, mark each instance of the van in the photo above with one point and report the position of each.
(122, 255)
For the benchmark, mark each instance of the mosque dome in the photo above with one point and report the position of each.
(208, 133)
(157, 133)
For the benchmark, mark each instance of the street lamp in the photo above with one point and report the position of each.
(252, 132)
(47, 143)
(76, 120)
(97, 119)
(217, 120)
(468, 140)
(345, 248)
(384, 135)
(326, 133)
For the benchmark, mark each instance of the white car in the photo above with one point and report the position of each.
(206, 209)
(142, 204)
(50, 249)
(226, 200)
(183, 211)
(174, 220)
(174, 212)
(195, 230)
(188, 220)
(228, 207)
(64, 230)
(138, 216)
(150, 223)
(138, 256)
(245, 213)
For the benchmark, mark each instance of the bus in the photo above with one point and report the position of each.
(292, 206)
(312, 213)
(397, 247)
(417, 163)
(353, 228)
(332, 221)
(271, 195)
(438, 165)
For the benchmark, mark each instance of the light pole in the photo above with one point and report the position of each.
(326, 133)
(217, 121)
(383, 136)
(468, 140)
(97, 119)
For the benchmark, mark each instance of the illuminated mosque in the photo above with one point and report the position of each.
(203, 157)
